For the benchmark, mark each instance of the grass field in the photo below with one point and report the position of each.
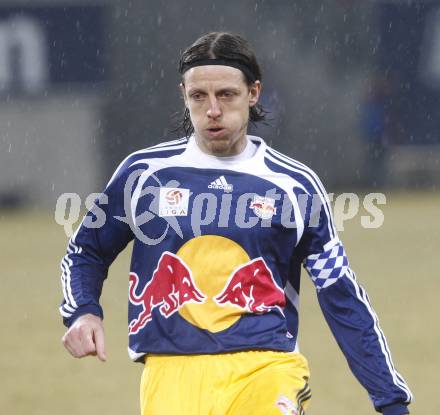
(398, 264)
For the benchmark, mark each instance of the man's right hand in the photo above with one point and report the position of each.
(85, 337)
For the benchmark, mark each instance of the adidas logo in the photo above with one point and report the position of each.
(222, 184)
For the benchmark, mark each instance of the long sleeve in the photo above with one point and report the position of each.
(349, 314)
(91, 250)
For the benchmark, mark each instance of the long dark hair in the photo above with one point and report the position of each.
(228, 46)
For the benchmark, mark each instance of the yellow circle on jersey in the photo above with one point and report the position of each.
(212, 259)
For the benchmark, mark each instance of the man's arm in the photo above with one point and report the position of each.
(355, 326)
(347, 309)
(90, 252)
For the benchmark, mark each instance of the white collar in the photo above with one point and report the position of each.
(254, 147)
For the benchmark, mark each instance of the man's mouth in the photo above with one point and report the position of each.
(215, 132)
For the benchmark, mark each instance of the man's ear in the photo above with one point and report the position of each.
(183, 91)
(254, 93)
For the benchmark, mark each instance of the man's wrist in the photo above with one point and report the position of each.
(85, 309)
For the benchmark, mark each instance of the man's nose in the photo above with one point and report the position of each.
(214, 110)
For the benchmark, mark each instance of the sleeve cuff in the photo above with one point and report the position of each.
(85, 309)
(395, 409)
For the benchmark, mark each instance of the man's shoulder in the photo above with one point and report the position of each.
(284, 164)
(141, 158)
(162, 150)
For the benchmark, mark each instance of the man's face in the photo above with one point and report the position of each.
(218, 100)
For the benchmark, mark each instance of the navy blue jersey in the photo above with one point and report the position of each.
(218, 247)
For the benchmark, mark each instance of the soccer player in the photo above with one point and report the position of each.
(221, 225)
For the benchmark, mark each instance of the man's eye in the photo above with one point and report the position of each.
(197, 96)
(227, 94)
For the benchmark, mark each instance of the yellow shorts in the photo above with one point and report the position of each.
(241, 383)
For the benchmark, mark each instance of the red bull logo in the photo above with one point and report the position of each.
(211, 282)
(170, 287)
(286, 406)
(253, 288)
(263, 207)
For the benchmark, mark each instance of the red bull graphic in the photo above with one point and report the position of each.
(263, 207)
(170, 287)
(211, 282)
(286, 406)
(253, 288)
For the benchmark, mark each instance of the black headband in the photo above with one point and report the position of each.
(226, 62)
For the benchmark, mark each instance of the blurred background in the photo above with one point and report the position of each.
(353, 90)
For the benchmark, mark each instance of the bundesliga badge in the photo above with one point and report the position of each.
(173, 201)
(263, 207)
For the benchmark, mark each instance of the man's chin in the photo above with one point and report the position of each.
(219, 146)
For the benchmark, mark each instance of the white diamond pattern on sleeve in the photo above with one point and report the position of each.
(327, 267)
